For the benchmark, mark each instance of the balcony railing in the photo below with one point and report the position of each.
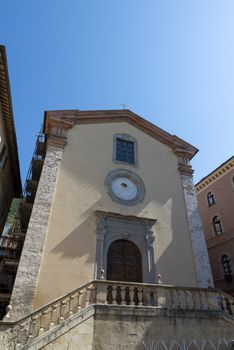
(117, 293)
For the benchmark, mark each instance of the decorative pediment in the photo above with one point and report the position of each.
(67, 118)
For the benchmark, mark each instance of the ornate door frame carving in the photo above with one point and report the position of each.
(112, 227)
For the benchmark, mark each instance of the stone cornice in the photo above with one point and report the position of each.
(56, 131)
(184, 166)
(104, 214)
(215, 175)
(185, 169)
(8, 121)
(76, 117)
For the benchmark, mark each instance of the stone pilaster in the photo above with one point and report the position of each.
(24, 290)
(150, 244)
(100, 232)
(200, 254)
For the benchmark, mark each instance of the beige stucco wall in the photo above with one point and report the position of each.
(69, 254)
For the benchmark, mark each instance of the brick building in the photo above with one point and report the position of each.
(215, 194)
(10, 182)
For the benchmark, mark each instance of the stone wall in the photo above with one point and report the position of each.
(129, 328)
(25, 283)
(115, 327)
(77, 334)
(200, 254)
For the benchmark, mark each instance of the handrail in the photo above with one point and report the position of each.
(50, 304)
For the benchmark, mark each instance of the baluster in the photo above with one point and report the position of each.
(81, 299)
(153, 297)
(203, 305)
(20, 336)
(93, 294)
(206, 298)
(187, 299)
(222, 301)
(41, 323)
(8, 311)
(194, 298)
(114, 294)
(53, 316)
(154, 294)
(79, 293)
(123, 295)
(25, 332)
(43, 327)
(225, 303)
(199, 300)
(70, 303)
(140, 296)
(62, 310)
(46, 315)
(172, 301)
(179, 301)
(198, 297)
(208, 301)
(146, 296)
(176, 299)
(131, 295)
(215, 301)
(183, 299)
(88, 296)
(231, 305)
(162, 300)
(102, 292)
(32, 327)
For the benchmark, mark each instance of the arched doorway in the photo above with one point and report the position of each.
(124, 262)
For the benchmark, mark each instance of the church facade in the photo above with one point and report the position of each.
(114, 248)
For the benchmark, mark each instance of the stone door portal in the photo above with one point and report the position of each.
(124, 262)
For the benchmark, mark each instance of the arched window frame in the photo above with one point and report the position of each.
(226, 264)
(210, 198)
(217, 225)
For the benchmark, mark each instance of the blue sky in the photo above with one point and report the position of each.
(170, 61)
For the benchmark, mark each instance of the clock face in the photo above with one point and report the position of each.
(124, 188)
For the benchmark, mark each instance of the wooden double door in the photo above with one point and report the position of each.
(124, 262)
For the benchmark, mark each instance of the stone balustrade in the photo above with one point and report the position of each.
(51, 315)
(227, 303)
(116, 293)
(161, 296)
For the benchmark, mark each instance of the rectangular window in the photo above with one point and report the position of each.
(125, 151)
(3, 158)
(2, 153)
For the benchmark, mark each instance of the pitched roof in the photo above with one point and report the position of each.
(8, 121)
(123, 115)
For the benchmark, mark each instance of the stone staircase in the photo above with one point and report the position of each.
(42, 326)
